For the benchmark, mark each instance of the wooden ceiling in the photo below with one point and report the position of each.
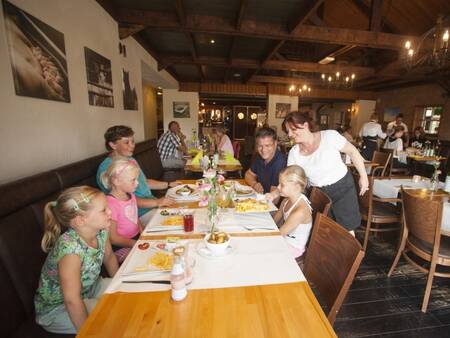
(281, 41)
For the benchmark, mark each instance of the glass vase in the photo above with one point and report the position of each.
(212, 213)
(434, 181)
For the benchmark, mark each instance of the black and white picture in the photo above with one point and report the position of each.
(181, 110)
(38, 56)
(99, 79)
(282, 109)
(130, 101)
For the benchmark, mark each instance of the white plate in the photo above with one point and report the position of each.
(203, 251)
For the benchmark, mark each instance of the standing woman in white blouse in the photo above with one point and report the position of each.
(319, 154)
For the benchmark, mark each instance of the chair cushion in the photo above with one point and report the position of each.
(444, 249)
(384, 210)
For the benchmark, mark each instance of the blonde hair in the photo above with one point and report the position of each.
(58, 214)
(118, 166)
(294, 174)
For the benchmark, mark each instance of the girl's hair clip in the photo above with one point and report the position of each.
(53, 204)
(84, 198)
(74, 204)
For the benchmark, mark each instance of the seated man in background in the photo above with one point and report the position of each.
(120, 141)
(171, 147)
(265, 169)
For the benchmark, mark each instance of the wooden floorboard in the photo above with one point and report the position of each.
(378, 306)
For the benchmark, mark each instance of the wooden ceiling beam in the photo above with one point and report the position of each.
(264, 30)
(286, 80)
(309, 7)
(181, 13)
(263, 90)
(375, 15)
(307, 67)
(144, 43)
(241, 13)
(366, 11)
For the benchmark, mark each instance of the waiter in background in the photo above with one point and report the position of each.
(370, 132)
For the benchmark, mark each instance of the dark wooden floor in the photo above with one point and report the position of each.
(378, 306)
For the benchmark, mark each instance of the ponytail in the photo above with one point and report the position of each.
(52, 228)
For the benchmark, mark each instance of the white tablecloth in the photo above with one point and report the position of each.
(253, 261)
(390, 189)
(228, 221)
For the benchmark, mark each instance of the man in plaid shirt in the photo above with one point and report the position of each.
(171, 146)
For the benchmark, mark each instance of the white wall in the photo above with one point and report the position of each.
(186, 124)
(272, 100)
(361, 114)
(38, 135)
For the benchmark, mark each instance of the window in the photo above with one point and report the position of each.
(431, 118)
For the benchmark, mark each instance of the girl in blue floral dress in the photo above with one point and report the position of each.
(70, 281)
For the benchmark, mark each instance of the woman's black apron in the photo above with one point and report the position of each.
(369, 146)
(345, 205)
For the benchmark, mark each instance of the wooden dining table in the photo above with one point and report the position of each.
(281, 309)
(389, 187)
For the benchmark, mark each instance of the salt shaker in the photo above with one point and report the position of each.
(177, 278)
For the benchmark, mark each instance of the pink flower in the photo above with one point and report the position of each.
(210, 173)
(203, 201)
(205, 187)
(220, 178)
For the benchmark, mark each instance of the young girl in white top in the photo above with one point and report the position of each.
(395, 143)
(295, 210)
(121, 179)
(76, 239)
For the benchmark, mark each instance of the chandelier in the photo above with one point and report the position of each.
(432, 48)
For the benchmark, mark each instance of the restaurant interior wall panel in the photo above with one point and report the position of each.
(272, 100)
(187, 124)
(406, 99)
(149, 108)
(39, 134)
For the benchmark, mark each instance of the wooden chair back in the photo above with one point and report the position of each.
(320, 202)
(383, 159)
(236, 148)
(423, 217)
(365, 201)
(391, 160)
(331, 262)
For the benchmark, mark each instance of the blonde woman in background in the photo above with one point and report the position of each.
(222, 141)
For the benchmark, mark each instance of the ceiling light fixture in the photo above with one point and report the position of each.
(326, 60)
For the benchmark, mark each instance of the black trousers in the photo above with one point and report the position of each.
(345, 206)
(369, 146)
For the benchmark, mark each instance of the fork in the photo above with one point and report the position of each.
(251, 228)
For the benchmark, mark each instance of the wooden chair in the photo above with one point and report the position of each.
(375, 210)
(383, 159)
(320, 202)
(422, 237)
(331, 262)
(391, 170)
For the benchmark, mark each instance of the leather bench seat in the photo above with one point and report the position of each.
(21, 228)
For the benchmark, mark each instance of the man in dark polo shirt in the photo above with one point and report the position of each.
(264, 171)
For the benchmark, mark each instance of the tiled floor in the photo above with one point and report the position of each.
(378, 306)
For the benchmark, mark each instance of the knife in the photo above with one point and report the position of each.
(147, 281)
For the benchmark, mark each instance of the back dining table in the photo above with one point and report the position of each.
(255, 290)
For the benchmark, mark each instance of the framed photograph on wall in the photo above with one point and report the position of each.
(282, 109)
(38, 56)
(181, 110)
(99, 79)
(130, 101)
